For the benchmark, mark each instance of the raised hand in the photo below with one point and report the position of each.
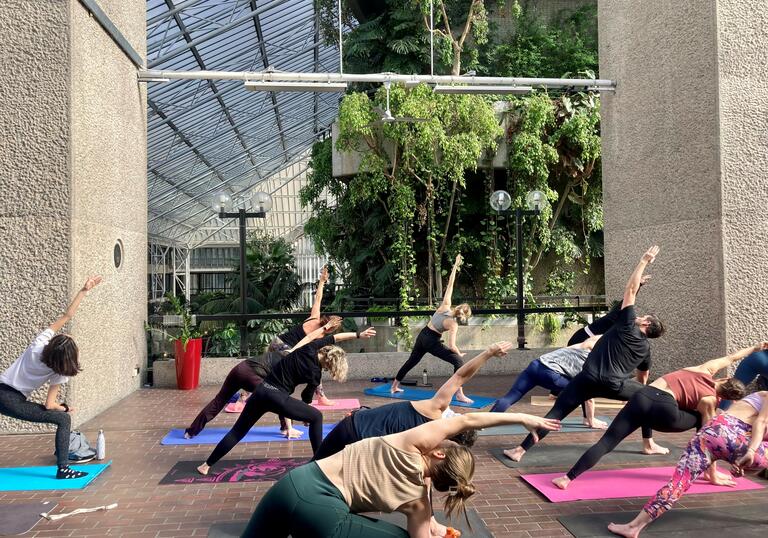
(644, 280)
(458, 261)
(333, 323)
(762, 346)
(651, 254)
(324, 274)
(92, 282)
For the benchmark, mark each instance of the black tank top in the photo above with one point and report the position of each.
(293, 335)
(387, 419)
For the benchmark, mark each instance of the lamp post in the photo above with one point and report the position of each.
(500, 202)
(262, 202)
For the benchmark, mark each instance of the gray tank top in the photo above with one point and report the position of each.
(438, 318)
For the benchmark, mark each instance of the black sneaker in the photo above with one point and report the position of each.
(66, 473)
(81, 459)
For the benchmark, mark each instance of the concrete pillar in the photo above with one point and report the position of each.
(73, 184)
(684, 166)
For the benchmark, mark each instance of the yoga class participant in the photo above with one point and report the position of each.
(754, 365)
(380, 474)
(50, 358)
(401, 416)
(245, 376)
(553, 371)
(445, 319)
(675, 402)
(305, 365)
(737, 436)
(622, 349)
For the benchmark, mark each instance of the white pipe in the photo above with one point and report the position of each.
(432, 37)
(341, 43)
(274, 76)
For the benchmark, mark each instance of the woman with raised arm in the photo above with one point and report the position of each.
(380, 474)
(738, 436)
(50, 358)
(675, 402)
(273, 395)
(754, 365)
(447, 318)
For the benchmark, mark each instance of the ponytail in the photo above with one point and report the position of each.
(453, 474)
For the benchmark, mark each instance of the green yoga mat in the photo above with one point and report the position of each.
(742, 521)
(569, 425)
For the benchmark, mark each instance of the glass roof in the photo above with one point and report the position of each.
(205, 136)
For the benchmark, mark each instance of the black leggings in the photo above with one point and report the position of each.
(428, 341)
(267, 399)
(584, 387)
(15, 405)
(650, 407)
(341, 435)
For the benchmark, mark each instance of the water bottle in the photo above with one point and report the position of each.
(101, 446)
(424, 378)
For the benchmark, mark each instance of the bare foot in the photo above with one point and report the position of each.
(395, 388)
(627, 530)
(187, 436)
(515, 454)
(292, 433)
(596, 423)
(203, 469)
(463, 399)
(325, 401)
(650, 448)
(561, 482)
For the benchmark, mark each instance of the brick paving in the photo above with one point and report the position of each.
(135, 426)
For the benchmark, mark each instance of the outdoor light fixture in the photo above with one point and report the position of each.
(262, 202)
(480, 90)
(220, 202)
(535, 200)
(500, 200)
(319, 87)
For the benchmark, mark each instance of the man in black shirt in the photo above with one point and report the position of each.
(607, 370)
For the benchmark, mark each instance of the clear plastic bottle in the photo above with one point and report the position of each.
(424, 378)
(101, 446)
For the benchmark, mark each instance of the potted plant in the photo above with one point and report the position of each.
(188, 346)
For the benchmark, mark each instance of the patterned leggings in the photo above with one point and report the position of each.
(725, 437)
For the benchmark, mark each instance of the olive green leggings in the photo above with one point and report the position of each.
(304, 504)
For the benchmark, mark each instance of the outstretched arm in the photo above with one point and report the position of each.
(442, 399)
(91, 283)
(759, 427)
(633, 284)
(715, 365)
(447, 297)
(370, 332)
(315, 312)
(317, 333)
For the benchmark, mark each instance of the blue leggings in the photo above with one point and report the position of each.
(748, 369)
(535, 375)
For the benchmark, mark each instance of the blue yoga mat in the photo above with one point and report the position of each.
(414, 395)
(257, 434)
(44, 478)
(569, 425)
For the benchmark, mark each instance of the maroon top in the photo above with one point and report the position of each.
(690, 387)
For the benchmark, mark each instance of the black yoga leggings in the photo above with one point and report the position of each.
(428, 341)
(650, 407)
(341, 435)
(584, 387)
(15, 405)
(267, 399)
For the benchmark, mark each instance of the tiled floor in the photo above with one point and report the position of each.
(135, 426)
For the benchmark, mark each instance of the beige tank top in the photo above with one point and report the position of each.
(378, 477)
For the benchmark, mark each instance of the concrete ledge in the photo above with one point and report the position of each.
(213, 370)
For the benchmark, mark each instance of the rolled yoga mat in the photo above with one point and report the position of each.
(622, 483)
(734, 520)
(564, 456)
(415, 395)
(233, 529)
(44, 478)
(231, 471)
(20, 518)
(569, 425)
(545, 401)
(257, 434)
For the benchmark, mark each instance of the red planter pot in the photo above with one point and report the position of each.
(188, 363)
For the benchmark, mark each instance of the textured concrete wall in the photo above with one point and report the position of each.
(675, 155)
(72, 181)
(108, 144)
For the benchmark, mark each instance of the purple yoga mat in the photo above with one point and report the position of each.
(232, 471)
(257, 434)
(620, 483)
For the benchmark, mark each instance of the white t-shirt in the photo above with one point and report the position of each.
(28, 373)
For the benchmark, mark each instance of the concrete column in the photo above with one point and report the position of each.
(684, 166)
(73, 184)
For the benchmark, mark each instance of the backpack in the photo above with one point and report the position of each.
(79, 447)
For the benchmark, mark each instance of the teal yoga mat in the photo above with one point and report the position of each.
(569, 425)
(415, 395)
(44, 478)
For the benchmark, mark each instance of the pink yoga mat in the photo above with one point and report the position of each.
(351, 403)
(620, 483)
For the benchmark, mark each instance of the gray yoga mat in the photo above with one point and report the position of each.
(569, 425)
(564, 456)
(742, 521)
(234, 529)
(20, 518)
